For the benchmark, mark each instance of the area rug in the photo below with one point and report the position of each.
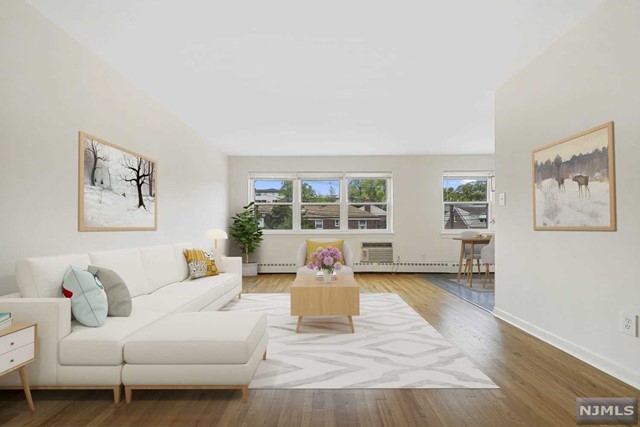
(393, 347)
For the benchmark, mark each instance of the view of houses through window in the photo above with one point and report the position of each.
(467, 201)
(326, 203)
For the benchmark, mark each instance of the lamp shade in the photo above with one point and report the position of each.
(215, 234)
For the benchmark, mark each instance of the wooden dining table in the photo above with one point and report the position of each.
(478, 240)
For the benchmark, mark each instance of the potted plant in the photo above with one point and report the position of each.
(247, 234)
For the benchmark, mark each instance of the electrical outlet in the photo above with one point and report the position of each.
(629, 324)
(502, 199)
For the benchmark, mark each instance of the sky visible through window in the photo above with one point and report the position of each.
(455, 183)
(321, 187)
(265, 185)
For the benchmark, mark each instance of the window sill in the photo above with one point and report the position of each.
(325, 232)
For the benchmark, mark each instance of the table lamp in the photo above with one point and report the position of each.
(215, 234)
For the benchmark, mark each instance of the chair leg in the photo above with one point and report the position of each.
(479, 272)
(486, 276)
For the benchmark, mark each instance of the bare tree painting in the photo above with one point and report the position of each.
(117, 188)
(574, 182)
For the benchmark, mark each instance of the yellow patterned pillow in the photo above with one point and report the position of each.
(201, 263)
(313, 245)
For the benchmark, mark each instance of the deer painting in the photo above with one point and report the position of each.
(583, 181)
(560, 182)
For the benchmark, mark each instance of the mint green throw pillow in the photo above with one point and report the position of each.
(88, 299)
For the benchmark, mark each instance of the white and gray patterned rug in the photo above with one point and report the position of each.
(393, 347)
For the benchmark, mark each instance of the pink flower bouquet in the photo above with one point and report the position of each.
(326, 260)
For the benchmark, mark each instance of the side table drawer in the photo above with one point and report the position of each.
(16, 357)
(17, 339)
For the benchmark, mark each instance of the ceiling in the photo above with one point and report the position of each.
(326, 77)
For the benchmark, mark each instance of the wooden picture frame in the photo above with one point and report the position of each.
(564, 175)
(117, 187)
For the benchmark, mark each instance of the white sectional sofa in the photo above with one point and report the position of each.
(71, 355)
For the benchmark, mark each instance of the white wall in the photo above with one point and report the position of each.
(417, 195)
(569, 287)
(51, 87)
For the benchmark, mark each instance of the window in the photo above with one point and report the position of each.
(320, 203)
(467, 201)
(274, 200)
(368, 203)
(323, 202)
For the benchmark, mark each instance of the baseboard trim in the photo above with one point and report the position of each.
(597, 361)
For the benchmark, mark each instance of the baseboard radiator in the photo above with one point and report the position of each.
(376, 267)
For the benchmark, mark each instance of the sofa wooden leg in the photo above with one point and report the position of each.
(128, 394)
(264, 356)
(117, 392)
(245, 393)
(240, 295)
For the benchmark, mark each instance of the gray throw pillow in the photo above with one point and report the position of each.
(118, 294)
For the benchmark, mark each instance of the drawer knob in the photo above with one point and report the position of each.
(11, 361)
(12, 343)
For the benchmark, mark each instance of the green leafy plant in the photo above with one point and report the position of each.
(246, 231)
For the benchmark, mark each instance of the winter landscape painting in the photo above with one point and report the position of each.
(574, 182)
(117, 188)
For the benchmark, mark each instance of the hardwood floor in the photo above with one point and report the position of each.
(538, 383)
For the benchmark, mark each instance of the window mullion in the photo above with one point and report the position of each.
(296, 205)
(344, 205)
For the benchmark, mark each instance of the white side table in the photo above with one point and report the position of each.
(17, 350)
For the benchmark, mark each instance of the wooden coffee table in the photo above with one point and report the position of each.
(311, 297)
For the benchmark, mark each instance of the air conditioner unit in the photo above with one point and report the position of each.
(376, 252)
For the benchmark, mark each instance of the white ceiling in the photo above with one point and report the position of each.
(326, 77)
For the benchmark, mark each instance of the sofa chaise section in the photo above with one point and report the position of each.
(74, 356)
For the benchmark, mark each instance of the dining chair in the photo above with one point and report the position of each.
(488, 258)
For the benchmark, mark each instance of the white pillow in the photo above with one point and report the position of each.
(88, 299)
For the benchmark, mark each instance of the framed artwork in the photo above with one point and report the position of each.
(574, 182)
(117, 188)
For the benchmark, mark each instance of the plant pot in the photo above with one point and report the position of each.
(249, 269)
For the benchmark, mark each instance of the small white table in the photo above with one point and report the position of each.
(17, 350)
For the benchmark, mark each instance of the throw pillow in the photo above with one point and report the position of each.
(118, 295)
(313, 245)
(201, 263)
(88, 299)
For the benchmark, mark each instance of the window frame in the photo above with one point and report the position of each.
(490, 176)
(343, 178)
(276, 177)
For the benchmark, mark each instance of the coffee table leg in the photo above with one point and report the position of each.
(299, 323)
(353, 330)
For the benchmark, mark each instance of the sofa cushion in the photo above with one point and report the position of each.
(42, 277)
(88, 298)
(118, 295)
(178, 250)
(128, 264)
(103, 346)
(202, 291)
(161, 266)
(206, 337)
(167, 303)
